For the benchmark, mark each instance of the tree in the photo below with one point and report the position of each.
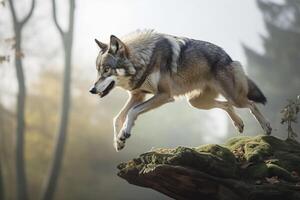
(7, 126)
(18, 26)
(277, 70)
(289, 116)
(2, 191)
(67, 40)
(1, 182)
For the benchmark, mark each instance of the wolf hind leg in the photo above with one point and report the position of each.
(232, 83)
(206, 100)
(244, 102)
(265, 124)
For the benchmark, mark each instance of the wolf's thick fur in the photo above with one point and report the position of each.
(146, 62)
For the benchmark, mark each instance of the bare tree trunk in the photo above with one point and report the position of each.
(20, 163)
(2, 152)
(2, 191)
(67, 39)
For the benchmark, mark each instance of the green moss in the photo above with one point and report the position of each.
(290, 161)
(214, 159)
(251, 157)
(236, 141)
(154, 157)
(275, 170)
(267, 155)
(262, 170)
(256, 171)
(257, 151)
(218, 151)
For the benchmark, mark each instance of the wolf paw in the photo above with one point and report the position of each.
(119, 140)
(119, 144)
(124, 135)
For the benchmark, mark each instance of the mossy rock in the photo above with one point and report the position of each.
(214, 158)
(254, 149)
(249, 158)
(266, 156)
(262, 170)
(212, 171)
(219, 151)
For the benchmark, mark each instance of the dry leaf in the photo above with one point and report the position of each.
(273, 180)
(258, 182)
(10, 40)
(19, 54)
(295, 174)
(239, 152)
(246, 165)
(4, 59)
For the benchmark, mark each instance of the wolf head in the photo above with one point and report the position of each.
(113, 66)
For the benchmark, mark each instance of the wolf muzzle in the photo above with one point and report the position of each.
(107, 90)
(103, 88)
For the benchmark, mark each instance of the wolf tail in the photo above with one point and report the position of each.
(241, 88)
(254, 93)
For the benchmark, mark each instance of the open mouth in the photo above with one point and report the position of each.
(107, 89)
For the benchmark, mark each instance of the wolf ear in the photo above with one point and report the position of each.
(102, 46)
(117, 46)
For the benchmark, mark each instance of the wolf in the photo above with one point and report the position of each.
(167, 66)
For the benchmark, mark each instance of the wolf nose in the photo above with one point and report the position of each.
(93, 90)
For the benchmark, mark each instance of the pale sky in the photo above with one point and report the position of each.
(226, 23)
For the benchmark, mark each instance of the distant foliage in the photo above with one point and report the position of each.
(10, 43)
(2, 3)
(4, 58)
(278, 66)
(289, 116)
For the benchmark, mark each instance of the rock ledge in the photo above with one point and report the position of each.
(260, 168)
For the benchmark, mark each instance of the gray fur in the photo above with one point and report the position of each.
(169, 66)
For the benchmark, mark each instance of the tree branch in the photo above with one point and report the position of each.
(71, 15)
(54, 15)
(13, 12)
(19, 24)
(27, 17)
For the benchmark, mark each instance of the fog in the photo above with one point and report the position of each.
(89, 162)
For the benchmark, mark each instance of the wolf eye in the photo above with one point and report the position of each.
(106, 69)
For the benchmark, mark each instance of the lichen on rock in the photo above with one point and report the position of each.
(266, 156)
(243, 167)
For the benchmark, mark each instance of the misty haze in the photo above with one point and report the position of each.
(56, 139)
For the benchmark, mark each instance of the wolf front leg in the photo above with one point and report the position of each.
(154, 102)
(134, 99)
